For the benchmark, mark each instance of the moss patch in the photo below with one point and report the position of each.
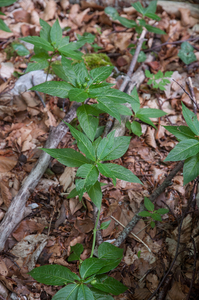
(96, 60)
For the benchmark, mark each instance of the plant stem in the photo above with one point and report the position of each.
(95, 232)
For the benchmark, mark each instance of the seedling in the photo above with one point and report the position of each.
(155, 215)
(159, 80)
(143, 114)
(188, 147)
(142, 55)
(186, 53)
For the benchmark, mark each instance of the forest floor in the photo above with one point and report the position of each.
(57, 223)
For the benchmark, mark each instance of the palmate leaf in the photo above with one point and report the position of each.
(69, 292)
(53, 275)
(53, 88)
(191, 169)
(68, 157)
(183, 150)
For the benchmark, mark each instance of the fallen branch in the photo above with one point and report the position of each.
(17, 210)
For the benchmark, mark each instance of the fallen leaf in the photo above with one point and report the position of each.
(7, 163)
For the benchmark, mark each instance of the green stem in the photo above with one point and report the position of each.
(95, 232)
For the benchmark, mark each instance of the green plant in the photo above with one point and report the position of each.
(143, 114)
(148, 12)
(91, 283)
(186, 53)
(188, 147)
(151, 212)
(51, 40)
(3, 3)
(158, 80)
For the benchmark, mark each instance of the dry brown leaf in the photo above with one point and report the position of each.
(6, 70)
(175, 292)
(67, 177)
(21, 16)
(5, 192)
(186, 19)
(7, 163)
(49, 11)
(65, 4)
(74, 205)
(84, 225)
(150, 137)
(25, 228)
(3, 268)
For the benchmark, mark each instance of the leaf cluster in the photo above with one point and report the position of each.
(92, 282)
(186, 53)
(158, 80)
(151, 212)
(188, 147)
(145, 12)
(143, 114)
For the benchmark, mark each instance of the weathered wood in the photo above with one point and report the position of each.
(17, 209)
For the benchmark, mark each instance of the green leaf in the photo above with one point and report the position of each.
(53, 275)
(148, 74)
(99, 295)
(105, 146)
(125, 111)
(136, 128)
(45, 31)
(104, 170)
(145, 119)
(78, 95)
(163, 211)
(138, 6)
(76, 251)
(158, 75)
(191, 119)
(191, 169)
(3, 26)
(88, 123)
(91, 266)
(81, 72)
(40, 57)
(123, 173)
(151, 112)
(89, 173)
(148, 204)
(135, 104)
(64, 42)
(84, 293)
(110, 285)
(153, 16)
(6, 2)
(38, 42)
(181, 132)
(37, 66)
(100, 74)
(152, 224)
(95, 194)
(109, 108)
(20, 49)
(141, 57)
(110, 265)
(151, 7)
(186, 53)
(156, 217)
(79, 183)
(56, 34)
(83, 142)
(109, 251)
(183, 150)
(112, 12)
(53, 88)
(119, 148)
(69, 292)
(68, 70)
(115, 96)
(68, 157)
(144, 213)
(58, 70)
(76, 55)
(105, 225)
(154, 29)
(127, 23)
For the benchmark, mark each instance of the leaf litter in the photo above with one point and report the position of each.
(46, 235)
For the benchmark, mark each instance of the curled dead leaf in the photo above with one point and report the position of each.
(7, 163)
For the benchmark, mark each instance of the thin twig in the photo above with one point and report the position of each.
(190, 86)
(171, 43)
(134, 235)
(178, 243)
(186, 92)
